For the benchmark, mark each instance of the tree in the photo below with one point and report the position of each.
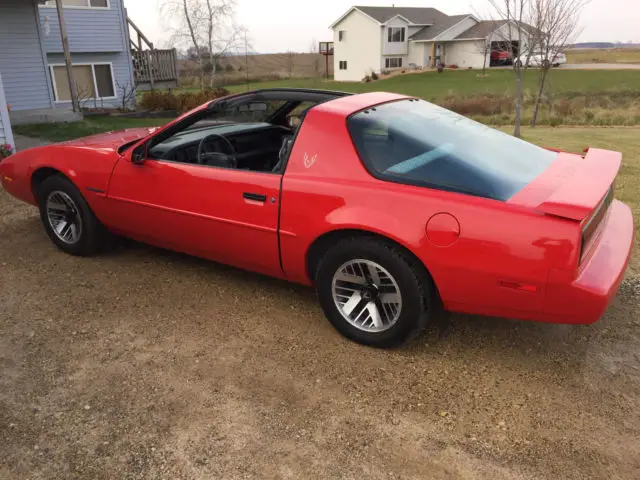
(519, 25)
(290, 56)
(315, 60)
(558, 23)
(209, 28)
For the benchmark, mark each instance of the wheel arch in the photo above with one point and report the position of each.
(40, 175)
(324, 241)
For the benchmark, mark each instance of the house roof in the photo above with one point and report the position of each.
(481, 29)
(415, 15)
(485, 28)
(432, 31)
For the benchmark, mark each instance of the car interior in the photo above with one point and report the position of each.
(253, 132)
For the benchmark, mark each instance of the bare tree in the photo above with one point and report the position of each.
(290, 62)
(558, 24)
(483, 47)
(519, 29)
(127, 96)
(209, 27)
(313, 49)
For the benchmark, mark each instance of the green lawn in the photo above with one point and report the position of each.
(468, 83)
(58, 132)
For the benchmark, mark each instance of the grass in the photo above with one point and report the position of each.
(58, 132)
(603, 55)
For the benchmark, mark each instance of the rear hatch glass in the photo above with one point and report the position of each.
(418, 143)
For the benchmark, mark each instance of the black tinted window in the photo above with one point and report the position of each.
(416, 142)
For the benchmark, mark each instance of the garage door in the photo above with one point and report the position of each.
(5, 127)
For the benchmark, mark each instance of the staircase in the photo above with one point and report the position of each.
(152, 68)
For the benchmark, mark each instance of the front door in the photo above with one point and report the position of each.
(230, 216)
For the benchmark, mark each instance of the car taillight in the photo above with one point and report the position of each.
(591, 227)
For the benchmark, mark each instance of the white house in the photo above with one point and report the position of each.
(371, 39)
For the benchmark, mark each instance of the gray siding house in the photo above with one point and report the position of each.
(32, 67)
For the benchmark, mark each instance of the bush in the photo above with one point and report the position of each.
(366, 79)
(374, 76)
(483, 105)
(229, 68)
(162, 100)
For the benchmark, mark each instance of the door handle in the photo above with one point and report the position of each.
(256, 197)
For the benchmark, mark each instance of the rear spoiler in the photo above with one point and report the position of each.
(581, 193)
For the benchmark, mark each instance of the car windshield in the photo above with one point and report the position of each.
(415, 142)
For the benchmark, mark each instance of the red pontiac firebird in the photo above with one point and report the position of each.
(395, 209)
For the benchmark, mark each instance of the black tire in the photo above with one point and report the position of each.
(92, 235)
(420, 302)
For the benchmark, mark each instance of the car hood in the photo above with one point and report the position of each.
(112, 139)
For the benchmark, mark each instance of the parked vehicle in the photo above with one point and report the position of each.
(501, 57)
(539, 59)
(395, 209)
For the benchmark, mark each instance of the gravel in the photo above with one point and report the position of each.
(145, 364)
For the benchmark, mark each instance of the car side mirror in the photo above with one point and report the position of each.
(139, 154)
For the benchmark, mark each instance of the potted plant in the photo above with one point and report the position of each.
(5, 150)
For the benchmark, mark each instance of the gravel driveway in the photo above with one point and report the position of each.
(143, 364)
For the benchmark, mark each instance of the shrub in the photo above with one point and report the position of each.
(563, 108)
(5, 150)
(366, 79)
(555, 121)
(158, 100)
(374, 76)
(229, 68)
(483, 105)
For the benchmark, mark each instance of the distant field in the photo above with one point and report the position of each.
(468, 83)
(603, 55)
(276, 65)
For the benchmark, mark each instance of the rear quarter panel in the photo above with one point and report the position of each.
(326, 188)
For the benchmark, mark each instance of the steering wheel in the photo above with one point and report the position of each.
(217, 159)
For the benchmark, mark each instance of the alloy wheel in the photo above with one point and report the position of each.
(64, 217)
(367, 295)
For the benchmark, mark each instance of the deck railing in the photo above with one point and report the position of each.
(152, 67)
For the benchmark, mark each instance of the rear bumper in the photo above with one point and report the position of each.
(584, 298)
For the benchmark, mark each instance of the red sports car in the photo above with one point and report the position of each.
(395, 209)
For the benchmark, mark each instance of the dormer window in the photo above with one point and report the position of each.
(395, 34)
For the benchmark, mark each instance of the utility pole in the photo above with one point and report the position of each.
(67, 58)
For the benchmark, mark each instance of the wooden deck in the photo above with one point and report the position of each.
(152, 68)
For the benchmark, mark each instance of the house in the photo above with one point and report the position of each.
(106, 64)
(372, 39)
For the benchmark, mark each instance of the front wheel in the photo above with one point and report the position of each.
(374, 293)
(68, 219)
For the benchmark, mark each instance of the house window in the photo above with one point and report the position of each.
(395, 34)
(79, 3)
(343, 65)
(342, 35)
(93, 82)
(393, 62)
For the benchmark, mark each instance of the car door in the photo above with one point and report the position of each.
(230, 216)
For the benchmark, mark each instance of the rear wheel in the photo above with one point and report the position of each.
(374, 293)
(68, 219)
